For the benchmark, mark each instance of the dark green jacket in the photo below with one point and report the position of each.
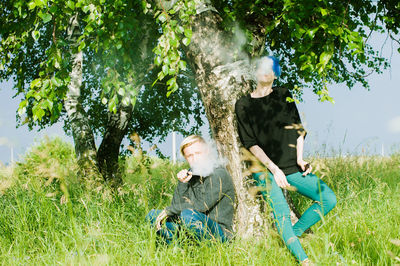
(213, 195)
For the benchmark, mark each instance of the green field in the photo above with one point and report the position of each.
(47, 216)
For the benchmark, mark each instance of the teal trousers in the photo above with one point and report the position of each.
(310, 186)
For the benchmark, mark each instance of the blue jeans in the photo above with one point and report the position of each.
(310, 186)
(200, 224)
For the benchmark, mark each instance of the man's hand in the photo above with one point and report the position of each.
(184, 175)
(280, 178)
(160, 219)
(306, 167)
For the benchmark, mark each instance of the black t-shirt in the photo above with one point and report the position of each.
(273, 124)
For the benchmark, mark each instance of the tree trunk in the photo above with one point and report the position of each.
(108, 152)
(221, 82)
(85, 147)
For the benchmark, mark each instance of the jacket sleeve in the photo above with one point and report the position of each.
(180, 200)
(215, 187)
(246, 134)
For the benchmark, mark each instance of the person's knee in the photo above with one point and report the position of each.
(151, 216)
(187, 215)
(329, 203)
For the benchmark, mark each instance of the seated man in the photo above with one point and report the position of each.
(203, 200)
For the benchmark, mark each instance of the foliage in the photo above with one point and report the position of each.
(318, 42)
(116, 38)
(99, 227)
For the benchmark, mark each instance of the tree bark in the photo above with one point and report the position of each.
(221, 82)
(108, 152)
(85, 147)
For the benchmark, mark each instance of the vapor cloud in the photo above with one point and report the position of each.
(206, 166)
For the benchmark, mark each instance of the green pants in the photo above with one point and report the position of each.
(310, 186)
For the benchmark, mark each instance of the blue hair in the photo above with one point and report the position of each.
(275, 66)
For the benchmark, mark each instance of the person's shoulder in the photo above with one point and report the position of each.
(242, 101)
(221, 171)
(284, 91)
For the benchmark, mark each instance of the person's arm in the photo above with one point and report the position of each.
(279, 176)
(249, 141)
(180, 200)
(215, 187)
(305, 166)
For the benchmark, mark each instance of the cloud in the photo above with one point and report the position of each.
(394, 125)
(5, 142)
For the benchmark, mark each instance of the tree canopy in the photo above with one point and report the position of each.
(116, 38)
(318, 42)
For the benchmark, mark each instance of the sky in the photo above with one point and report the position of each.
(360, 122)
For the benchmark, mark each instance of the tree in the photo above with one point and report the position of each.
(318, 42)
(88, 63)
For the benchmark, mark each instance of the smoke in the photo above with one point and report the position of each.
(209, 162)
(264, 65)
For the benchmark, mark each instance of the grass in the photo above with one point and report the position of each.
(49, 217)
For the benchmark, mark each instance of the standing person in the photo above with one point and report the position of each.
(203, 200)
(269, 127)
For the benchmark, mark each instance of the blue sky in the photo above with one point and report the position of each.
(360, 121)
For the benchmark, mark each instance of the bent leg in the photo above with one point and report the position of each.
(314, 188)
(166, 232)
(202, 226)
(273, 194)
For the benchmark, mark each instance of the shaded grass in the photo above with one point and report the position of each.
(43, 223)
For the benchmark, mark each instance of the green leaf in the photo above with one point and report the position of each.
(46, 84)
(70, 4)
(40, 3)
(186, 41)
(85, 9)
(46, 18)
(126, 101)
(312, 32)
(121, 91)
(182, 65)
(31, 5)
(325, 57)
(157, 60)
(56, 81)
(165, 69)
(162, 17)
(188, 33)
(35, 35)
(323, 11)
(171, 81)
(172, 71)
(23, 103)
(38, 112)
(181, 29)
(47, 104)
(36, 83)
(82, 45)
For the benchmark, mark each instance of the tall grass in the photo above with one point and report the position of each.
(47, 216)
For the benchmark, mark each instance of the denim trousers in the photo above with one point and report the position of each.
(196, 222)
